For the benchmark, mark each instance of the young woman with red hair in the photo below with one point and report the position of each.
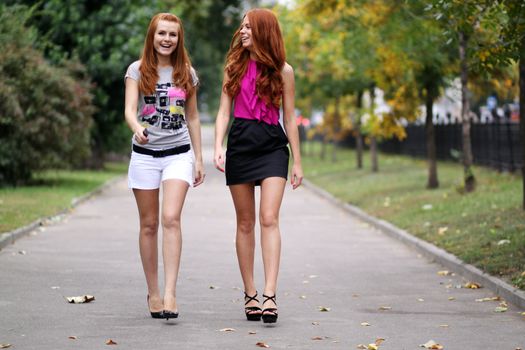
(257, 80)
(161, 110)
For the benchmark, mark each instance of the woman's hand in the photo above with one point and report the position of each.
(199, 174)
(141, 135)
(297, 175)
(218, 159)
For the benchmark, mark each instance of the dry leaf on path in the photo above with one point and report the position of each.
(227, 330)
(252, 332)
(444, 273)
(111, 342)
(315, 323)
(362, 346)
(384, 308)
(443, 325)
(451, 298)
(432, 345)
(262, 345)
(472, 285)
(488, 299)
(365, 324)
(80, 299)
(379, 341)
(324, 309)
(500, 309)
(73, 337)
(318, 338)
(5, 346)
(372, 346)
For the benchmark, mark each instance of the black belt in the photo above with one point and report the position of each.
(161, 153)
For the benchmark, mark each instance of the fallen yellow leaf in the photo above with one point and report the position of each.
(262, 345)
(324, 309)
(110, 342)
(442, 230)
(432, 345)
(80, 299)
(227, 330)
(385, 308)
(444, 273)
(372, 346)
(500, 309)
(451, 298)
(472, 285)
(379, 341)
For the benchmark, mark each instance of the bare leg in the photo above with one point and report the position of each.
(272, 190)
(148, 205)
(244, 202)
(174, 193)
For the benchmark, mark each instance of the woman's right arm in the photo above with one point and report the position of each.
(130, 111)
(221, 124)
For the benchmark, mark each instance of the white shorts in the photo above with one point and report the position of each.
(146, 172)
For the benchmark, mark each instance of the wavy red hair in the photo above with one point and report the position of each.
(268, 49)
(180, 59)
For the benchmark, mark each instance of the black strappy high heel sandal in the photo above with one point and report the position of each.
(251, 312)
(155, 314)
(269, 314)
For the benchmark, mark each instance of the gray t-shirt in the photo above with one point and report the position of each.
(163, 113)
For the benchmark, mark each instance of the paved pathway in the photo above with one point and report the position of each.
(329, 260)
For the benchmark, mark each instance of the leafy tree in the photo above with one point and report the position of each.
(46, 111)
(472, 25)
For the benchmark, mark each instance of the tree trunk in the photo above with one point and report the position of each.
(470, 180)
(522, 115)
(373, 140)
(337, 128)
(373, 153)
(323, 148)
(431, 142)
(357, 128)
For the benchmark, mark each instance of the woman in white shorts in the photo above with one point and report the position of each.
(161, 110)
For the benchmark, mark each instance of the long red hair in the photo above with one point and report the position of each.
(268, 49)
(180, 59)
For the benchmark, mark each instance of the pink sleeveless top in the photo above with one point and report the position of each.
(250, 106)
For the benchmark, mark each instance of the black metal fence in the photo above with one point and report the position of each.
(495, 145)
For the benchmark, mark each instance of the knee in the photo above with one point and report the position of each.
(149, 227)
(245, 225)
(269, 220)
(171, 222)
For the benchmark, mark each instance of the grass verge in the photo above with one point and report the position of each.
(485, 228)
(49, 193)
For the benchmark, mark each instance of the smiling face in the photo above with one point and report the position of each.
(166, 38)
(246, 33)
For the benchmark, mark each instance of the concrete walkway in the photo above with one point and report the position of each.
(329, 260)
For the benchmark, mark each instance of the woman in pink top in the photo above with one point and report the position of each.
(256, 80)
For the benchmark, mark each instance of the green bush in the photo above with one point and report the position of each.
(45, 111)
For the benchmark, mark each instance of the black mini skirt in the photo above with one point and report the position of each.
(255, 151)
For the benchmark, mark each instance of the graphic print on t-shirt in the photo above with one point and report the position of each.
(165, 109)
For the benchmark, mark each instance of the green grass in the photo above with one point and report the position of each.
(49, 193)
(469, 226)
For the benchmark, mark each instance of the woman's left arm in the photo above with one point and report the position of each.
(290, 124)
(194, 127)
